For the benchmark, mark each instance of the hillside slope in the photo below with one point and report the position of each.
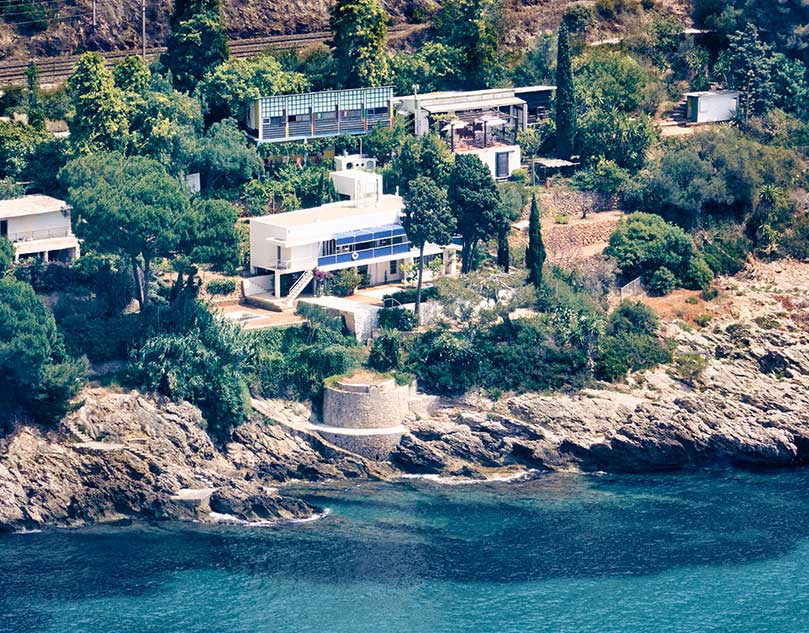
(118, 22)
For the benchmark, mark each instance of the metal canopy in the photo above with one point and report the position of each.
(460, 105)
(455, 124)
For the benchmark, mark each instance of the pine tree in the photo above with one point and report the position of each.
(427, 219)
(535, 255)
(359, 43)
(36, 113)
(475, 201)
(565, 96)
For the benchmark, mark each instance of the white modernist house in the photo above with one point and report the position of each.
(712, 106)
(39, 226)
(363, 232)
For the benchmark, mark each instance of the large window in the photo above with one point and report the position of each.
(327, 248)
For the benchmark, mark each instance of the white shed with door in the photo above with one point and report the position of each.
(712, 106)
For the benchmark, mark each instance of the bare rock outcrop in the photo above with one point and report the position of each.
(123, 455)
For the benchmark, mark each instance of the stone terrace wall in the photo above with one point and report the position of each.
(562, 238)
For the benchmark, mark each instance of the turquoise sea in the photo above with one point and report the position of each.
(720, 551)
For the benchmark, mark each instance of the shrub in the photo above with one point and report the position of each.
(387, 351)
(661, 283)
(606, 8)
(444, 362)
(726, 252)
(702, 319)
(221, 286)
(643, 243)
(604, 177)
(709, 294)
(346, 282)
(689, 367)
(397, 319)
(698, 276)
(529, 354)
(578, 17)
(100, 338)
(519, 176)
(408, 295)
(630, 342)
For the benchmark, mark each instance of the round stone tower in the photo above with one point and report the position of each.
(364, 413)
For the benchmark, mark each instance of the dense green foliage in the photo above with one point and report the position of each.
(712, 175)
(227, 90)
(645, 245)
(38, 376)
(190, 355)
(293, 362)
(197, 43)
(100, 114)
(359, 36)
(565, 96)
(220, 286)
(535, 253)
(475, 201)
(36, 113)
(470, 31)
(426, 218)
(397, 319)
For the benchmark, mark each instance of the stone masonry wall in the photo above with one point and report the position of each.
(372, 406)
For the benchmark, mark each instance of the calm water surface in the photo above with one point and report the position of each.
(711, 551)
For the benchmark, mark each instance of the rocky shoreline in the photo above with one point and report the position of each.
(123, 455)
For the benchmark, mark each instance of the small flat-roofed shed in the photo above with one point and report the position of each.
(712, 106)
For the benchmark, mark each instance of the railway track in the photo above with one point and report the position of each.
(53, 70)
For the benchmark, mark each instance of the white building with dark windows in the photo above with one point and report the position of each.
(39, 226)
(362, 232)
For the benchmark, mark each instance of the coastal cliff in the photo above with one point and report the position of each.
(737, 394)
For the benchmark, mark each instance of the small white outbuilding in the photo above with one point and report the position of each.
(712, 106)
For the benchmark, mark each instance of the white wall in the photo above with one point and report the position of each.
(488, 157)
(39, 226)
(716, 108)
(357, 184)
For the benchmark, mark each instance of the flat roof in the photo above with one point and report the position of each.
(554, 163)
(483, 104)
(31, 205)
(332, 211)
(713, 93)
(542, 88)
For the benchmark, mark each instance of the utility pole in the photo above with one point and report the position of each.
(143, 26)
(94, 15)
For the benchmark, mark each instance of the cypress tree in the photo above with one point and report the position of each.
(36, 113)
(535, 255)
(565, 96)
(503, 251)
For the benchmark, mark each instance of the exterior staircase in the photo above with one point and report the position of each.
(76, 432)
(297, 287)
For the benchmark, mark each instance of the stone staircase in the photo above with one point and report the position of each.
(76, 432)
